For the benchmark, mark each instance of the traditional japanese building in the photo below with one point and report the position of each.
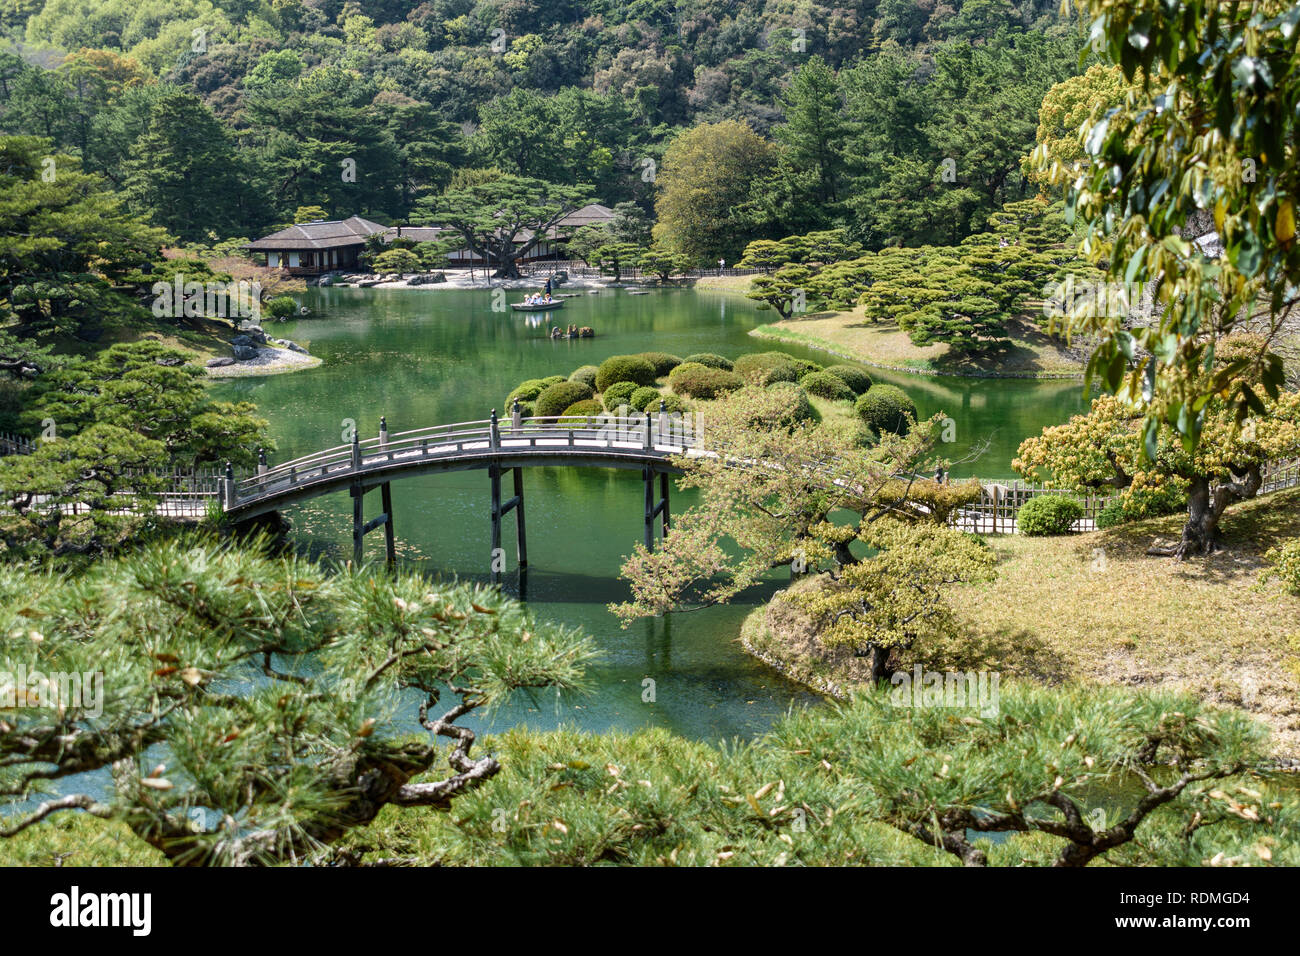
(313, 248)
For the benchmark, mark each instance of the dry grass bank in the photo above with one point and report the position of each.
(1029, 353)
(1095, 608)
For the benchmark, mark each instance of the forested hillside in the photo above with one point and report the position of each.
(902, 120)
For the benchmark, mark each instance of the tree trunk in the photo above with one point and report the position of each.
(1201, 530)
(508, 269)
(879, 663)
(1206, 503)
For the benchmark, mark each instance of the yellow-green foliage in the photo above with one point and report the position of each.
(897, 596)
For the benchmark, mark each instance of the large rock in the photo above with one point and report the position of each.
(244, 353)
(220, 362)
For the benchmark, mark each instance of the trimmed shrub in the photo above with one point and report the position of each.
(672, 403)
(1111, 515)
(709, 359)
(856, 379)
(662, 361)
(588, 407)
(789, 373)
(886, 408)
(281, 306)
(643, 397)
(799, 409)
(526, 391)
(586, 375)
(624, 368)
(1048, 515)
(396, 260)
(556, 398)
(699, 381)
(1142, 501)
(1285, 561)
(826, 385)
(619, 394)
(768, 367)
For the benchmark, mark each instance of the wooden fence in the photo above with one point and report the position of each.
(995, 511)
(15, 445)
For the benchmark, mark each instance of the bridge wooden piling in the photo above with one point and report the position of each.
(502, 508)
(361, 527)
(652, 509)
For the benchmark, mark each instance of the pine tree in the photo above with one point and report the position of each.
(184, 174)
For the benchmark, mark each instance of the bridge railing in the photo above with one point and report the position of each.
(657, 434)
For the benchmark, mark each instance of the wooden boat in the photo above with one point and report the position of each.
(539, 307)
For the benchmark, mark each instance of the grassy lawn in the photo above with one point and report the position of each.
(1028, 353)
(1094, 608)
(736, 284)
(202, 338)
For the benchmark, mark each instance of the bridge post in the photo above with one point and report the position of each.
(356, 451)
(228, 486)
(649, 432)
(383, 431)
(358, 522)
(261, 460)
(494, 475)
(516, 416)
(663, 500)
(648, 476)
(494, 432)
(653, 510)
(521, 540)
(390, 545)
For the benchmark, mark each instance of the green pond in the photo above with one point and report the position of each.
(423, 357)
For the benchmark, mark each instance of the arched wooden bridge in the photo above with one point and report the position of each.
(640, 442)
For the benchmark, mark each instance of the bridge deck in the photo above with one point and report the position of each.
(605, 442)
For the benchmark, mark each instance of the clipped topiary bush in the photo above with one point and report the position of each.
(644, 397)
(554, 399)
(699, 381)
(526, 391)
(768, 367)
(826, 385)
(618, 394)
(624, 368)
(588, 407)
(586, 375)
(886, 408)
(854, 378)
(281, 306)
(1285, 565)
(529, 389)
(662, 361)
(1045, 515)
(798, 408)
(672, 403)
(709, 359)
(1111, 515)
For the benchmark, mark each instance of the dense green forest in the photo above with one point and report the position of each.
(903, 121)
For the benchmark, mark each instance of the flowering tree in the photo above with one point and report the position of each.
(1105, 449)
